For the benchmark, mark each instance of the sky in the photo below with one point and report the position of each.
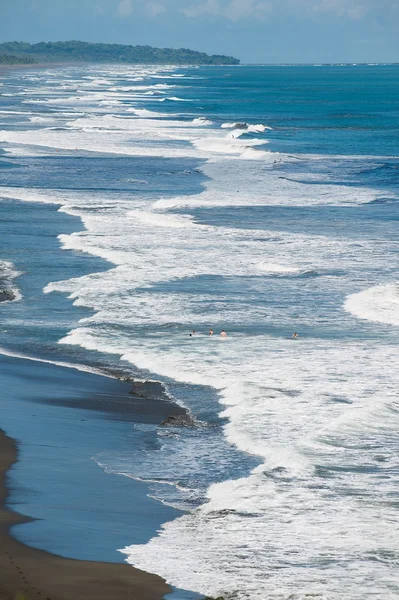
(255, 31)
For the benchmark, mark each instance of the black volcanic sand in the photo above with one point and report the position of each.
(135, 401)
(26, 573)
(67, 426)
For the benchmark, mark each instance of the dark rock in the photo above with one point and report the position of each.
(6, 295)
(183, 420)
(148, 389)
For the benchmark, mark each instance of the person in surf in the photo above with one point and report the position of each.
(295, 335)
(223, 334)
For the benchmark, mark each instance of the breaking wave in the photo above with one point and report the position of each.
(379, 304)
(8, 290)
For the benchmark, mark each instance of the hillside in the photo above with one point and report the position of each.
(73, 51)
(12, 59)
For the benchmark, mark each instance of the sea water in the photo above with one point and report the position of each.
(262, 201)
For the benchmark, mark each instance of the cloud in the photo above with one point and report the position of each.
(125, 8)
(354, 9)
(239, 9)
(233, 10)
(211, 7)
(155, 8)
(99, 10)
(255, 10)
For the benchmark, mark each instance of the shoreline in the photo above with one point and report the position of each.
(62, 516)
(4, 67)
(25, 570)
(63, 422)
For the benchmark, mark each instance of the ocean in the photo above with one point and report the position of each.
(259, 200)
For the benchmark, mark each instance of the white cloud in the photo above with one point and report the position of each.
(125, 8)
(356, 12)
(354, 9)
(233, 10)
(99, 10)
(239, 9)
(264, 7)
(211, 7)
(155, 8)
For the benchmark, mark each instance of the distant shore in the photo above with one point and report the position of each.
(32, 66)
(122, 54)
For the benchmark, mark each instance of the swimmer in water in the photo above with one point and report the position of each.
(223, 333)
(295, 335)
(211, 332)
(192, 333)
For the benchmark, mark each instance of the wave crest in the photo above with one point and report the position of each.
(379, 304)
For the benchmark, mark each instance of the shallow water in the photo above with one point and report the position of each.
(260, 200)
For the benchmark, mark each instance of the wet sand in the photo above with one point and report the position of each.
(26, 573)
(61, 417)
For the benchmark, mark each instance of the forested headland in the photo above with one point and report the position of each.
(12, 59)
(85, 52)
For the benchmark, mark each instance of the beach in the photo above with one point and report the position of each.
(140, 203)
(36, 573)
(29, 573)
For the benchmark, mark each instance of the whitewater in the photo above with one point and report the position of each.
(272, 223)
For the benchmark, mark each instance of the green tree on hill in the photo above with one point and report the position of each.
(75, 51)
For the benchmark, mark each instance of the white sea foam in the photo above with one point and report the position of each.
(15, 112)
(229, 145)
(257, 128)
(147, 114)
(84, 133)
(8, 273)
(379, 304)
(267, 267)
(294, 435)
(48, 119)
(320, 416)
(292, 423)
(58, 363)
(89, 140)
(177, 99)
(202, 121)
(246, 128)
(234, 184)
(159, 219)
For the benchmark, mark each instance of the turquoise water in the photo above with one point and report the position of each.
(259, 200)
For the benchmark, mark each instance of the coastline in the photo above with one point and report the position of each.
(290, 429)
(75, 511)
(25, 570)
(20, 67)
(78, 513)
